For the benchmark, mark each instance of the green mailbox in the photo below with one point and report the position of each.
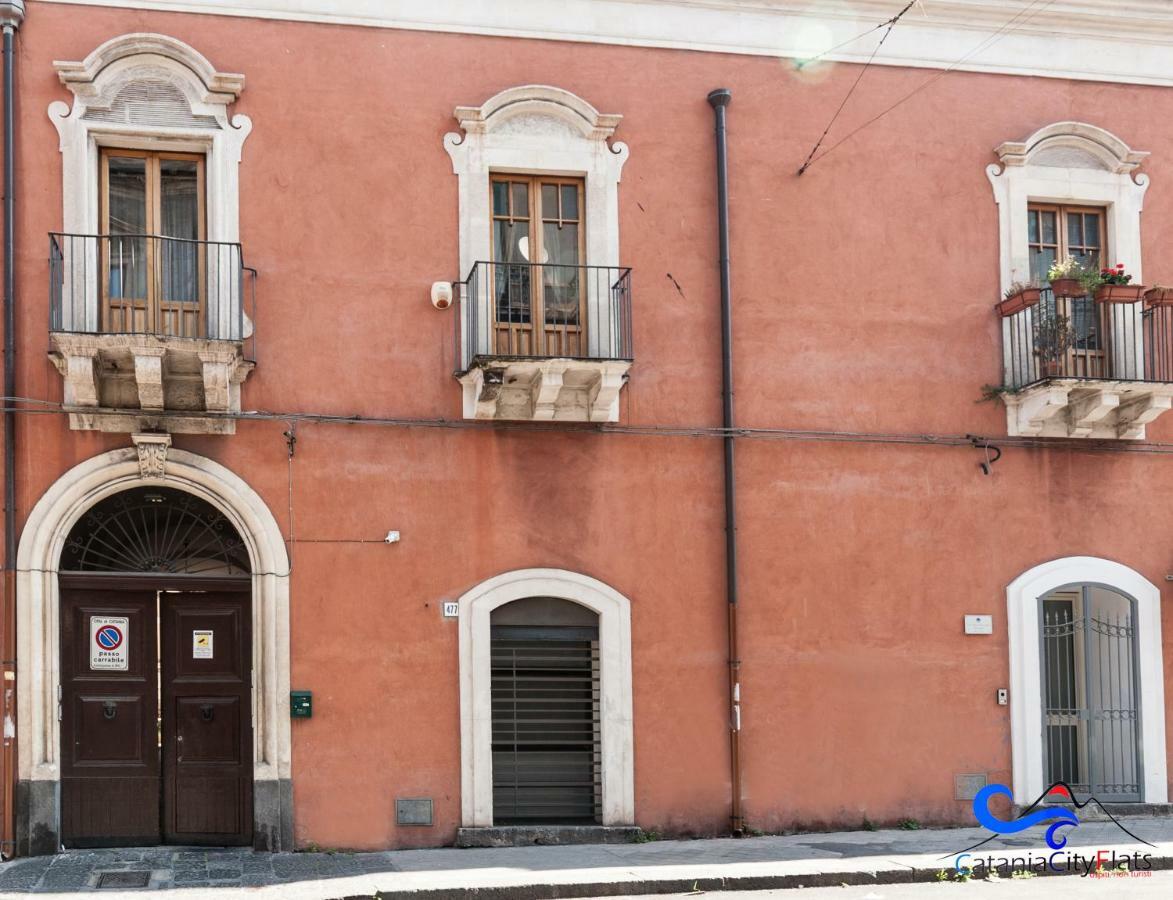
(301, 704)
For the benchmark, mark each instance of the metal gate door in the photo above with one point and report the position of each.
(1090, 734)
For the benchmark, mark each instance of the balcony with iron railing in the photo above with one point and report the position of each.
(150, 332)
(541, 341)
(1086, 365)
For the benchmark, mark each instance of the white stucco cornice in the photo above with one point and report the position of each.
(1111, 152)
(1100, 40)
(540, 100)
(218, 88)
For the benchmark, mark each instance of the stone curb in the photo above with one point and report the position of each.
(909, 875)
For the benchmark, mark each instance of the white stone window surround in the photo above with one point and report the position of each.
(537, 130)
(476, 739)
(96, 83)
(1026, 701)
(1069, 163)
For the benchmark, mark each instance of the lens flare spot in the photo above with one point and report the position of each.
(810, 40)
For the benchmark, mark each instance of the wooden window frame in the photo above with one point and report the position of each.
(1086, 358)
(544, 338)
(116, 312)
(1061, 211)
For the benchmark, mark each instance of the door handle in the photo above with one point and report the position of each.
(208, 711)
(109, 709)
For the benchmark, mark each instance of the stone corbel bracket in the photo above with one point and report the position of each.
(1086, 409)
(141, 383)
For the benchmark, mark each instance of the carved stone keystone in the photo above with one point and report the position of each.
(152, 454)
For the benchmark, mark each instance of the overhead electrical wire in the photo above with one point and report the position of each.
(891, 23)
(1006, 28)
(806, 61)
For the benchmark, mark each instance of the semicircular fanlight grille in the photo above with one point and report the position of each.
(155, 530)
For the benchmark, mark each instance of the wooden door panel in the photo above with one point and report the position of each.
(110, 729)
(110, 775)
(110, 812)
(224, 659)
(208, 730)
(210, 807)
(207, 718)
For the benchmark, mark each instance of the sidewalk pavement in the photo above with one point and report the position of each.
(543, 873)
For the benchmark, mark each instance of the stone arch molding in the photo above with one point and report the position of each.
(476, 751)
(38, 626)
(1026, 700)
(147, 91)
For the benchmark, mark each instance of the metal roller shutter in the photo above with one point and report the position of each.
(545, 690)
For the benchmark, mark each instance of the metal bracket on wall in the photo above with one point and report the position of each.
(981, 443)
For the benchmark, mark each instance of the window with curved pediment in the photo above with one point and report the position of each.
(1079, 359)
(148, 94)
(544, 325)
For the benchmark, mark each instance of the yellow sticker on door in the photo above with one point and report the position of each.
(201, 645)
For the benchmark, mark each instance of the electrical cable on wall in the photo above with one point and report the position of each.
(700, 431)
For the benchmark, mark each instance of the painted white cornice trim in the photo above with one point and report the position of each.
(1098, 40)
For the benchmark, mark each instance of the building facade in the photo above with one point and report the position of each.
(368, 437)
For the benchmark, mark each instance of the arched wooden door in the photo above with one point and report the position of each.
(156, 671)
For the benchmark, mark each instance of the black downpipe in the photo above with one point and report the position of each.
(9, 310)
(719, 100)
(11, 15)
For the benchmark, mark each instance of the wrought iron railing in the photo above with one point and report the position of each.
(147, 284)
(543, 311)
(1079, 337)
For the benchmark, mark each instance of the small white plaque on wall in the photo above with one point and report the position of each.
(979, 624)
(451, 609)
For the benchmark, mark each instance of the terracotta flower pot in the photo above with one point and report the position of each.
(1016, 303)
(1068, 287)
(1119, 293)
(1159, 296)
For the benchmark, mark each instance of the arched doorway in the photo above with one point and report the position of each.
(156, 668)
(195, 550)
(587, 624)
(1087, 687)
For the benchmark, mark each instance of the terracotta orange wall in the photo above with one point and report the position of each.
(863, 303)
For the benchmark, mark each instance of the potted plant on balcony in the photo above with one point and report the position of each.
(1053, 338)
(1114, 286)
(1019, 296)
(1067, 277)
(1159, 295)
